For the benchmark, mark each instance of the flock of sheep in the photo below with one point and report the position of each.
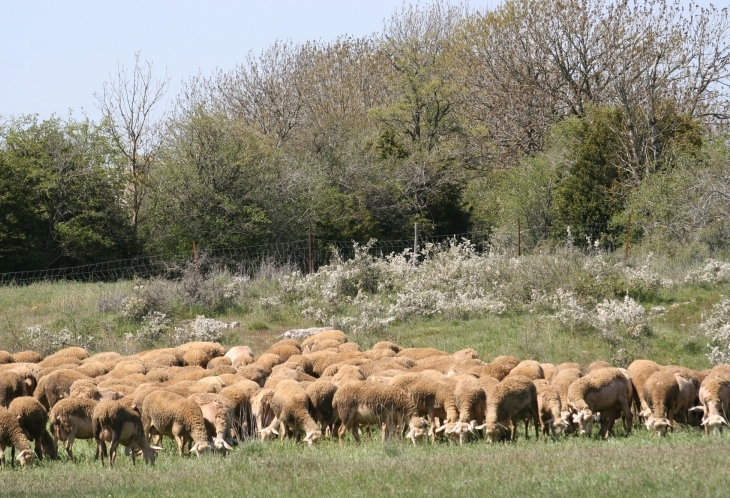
(209, 399)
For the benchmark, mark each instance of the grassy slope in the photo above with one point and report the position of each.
(683, 464)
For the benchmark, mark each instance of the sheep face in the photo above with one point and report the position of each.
(586, 419)
(713, 424)
(25, 458)
(313, 436)
(417, 432)
(495, 432)
(150, 455)
(658, 426)
(557, 427)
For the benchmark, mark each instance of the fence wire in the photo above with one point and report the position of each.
(294, 255)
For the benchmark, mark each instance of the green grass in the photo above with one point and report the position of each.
(683, 464)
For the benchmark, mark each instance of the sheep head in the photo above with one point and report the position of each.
(313, 436)
(586, 419)
(199, 448)
(658, 426)
(220, 444)
(714, 424)
(417, 427)
(557, 427)
(494, 431)
(25, 458)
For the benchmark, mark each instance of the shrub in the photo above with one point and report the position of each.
(716, 327)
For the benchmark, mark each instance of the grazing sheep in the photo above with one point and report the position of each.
(349, 347)
(284, 351)
(290, 405)
(71, 419)
(549, 409)
(221, 361)
(72, 352)
(528, 368)
(169, 357)
(324, 345)
(548, 369)
(261, 409)
(348, 373)
(240, 395)
(566, 366)
(471, 402)
(365, 403)
(218, 414)
(511, 400)
(268, 360)
(11, 387)
(94, 369)
(639, 371)
(325, 335)
(168, 414)
(12, 435)
(30, 373)
(59, 361)
(5, 358)
(561, 382)
(387, 345)
(661, 393)
(116, 423)
(607, 390)
(237, 351)
(102, 357)
(500, 367)
(255, 372)
(715, 398)
(432, 396)
(55, 386)
(33, 419)
(377, 354)
(26, 357)
(466, 354)
(332, 370)
(689, 387)
(320, 395)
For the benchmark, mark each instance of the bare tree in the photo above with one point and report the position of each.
(129, 105)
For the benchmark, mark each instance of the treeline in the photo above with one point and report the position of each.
(569, 115)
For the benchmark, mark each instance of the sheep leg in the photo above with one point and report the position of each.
(180, 444)
(113, 449)
(2, 455)
(70, 444)
(12, 456)
(341, 432)
(101, 450)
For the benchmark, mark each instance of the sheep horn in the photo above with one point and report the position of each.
(156, 448)
(411, 434)
(442, 429)
(195, 448)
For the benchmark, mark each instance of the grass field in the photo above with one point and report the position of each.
(685, 463)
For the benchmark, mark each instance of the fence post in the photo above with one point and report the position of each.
(311, 261)
(195, 254)
(628, 237)
(519, 238)
(415, 240)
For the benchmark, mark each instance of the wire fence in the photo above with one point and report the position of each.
(303, 255)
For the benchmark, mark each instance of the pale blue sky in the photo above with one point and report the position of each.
(54, 54)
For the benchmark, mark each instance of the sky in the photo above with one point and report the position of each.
(55, 54)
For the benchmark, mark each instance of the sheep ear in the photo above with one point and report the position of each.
(275, 431)
(722, 419)
(697, 409)
(548, 421)
(195, 448)
(705, 422)
(441, 429)
(480, 427)
(308, 436)
(156, 448)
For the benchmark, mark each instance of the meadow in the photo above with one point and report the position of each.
(102, 316)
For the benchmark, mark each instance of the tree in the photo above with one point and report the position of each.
(129, 104)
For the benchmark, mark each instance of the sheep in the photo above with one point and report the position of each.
(432, 396)
(116, 423)
(268, 360)
(561, 382)
(58, 361)
(284, 351)
(212, 349)
(471, 402)
(376, 366)
(168, 414)
(364, 403)
(255, 372)
(94, 369)
(220, 361)
(218, 414)
(33, 419)
(421, 353)
(30, 373)
(72, 352)
(443, 364)
(548, 369)
(348, 373)
(606, 390)
(566, 366)
(11, 387)
(528, 368)
(241, 361)
(331, 335)
(387, 345)
(102, 357)
(5, 358)
(12, 435)
(71, 419)
(26, 357)
(324, 345)
(639, 371)
(299, 363)
(237, 351)
(169, 357)
(261, 410)
(290, 405)
(598, 364)
(240, 395)
(661, 393)
(715, 398)
(321, 363)
(466, 354)
(320, 395)
(55, 386)
(500, 367)
(511, 400)
(689, 386)
(549, 408)
(377, 354)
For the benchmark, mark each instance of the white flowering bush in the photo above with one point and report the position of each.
(716, 327)
(612, 316)
(200, 329)
(712, 273)
(45, 342)
(155, 327)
